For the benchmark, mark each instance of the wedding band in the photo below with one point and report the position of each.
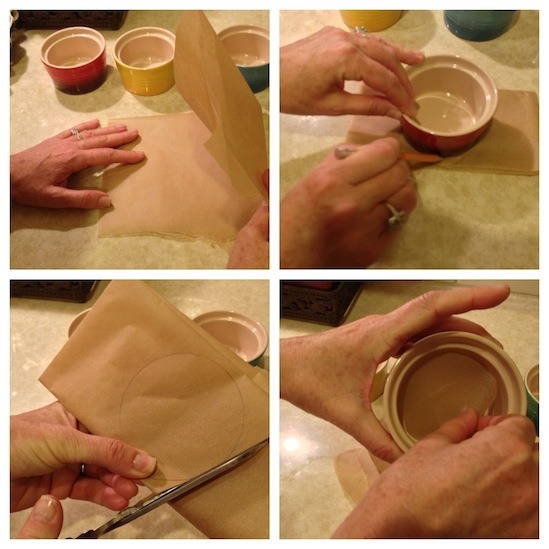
(76, 132)
(83, 470)
(362, 31)
(397, 219)
(343, 152)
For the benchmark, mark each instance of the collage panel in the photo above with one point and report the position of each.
(409, 139)
(393, 394)
(177, 371)
(139, 139)
(405, 406)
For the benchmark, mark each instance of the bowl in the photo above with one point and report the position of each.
(433, 380)
(248, 46)
(75, 59)
(478, 25)
(371, 20)
(144, 58)
(531, 381)
(77, 320)
(457, 100)
(243, 335)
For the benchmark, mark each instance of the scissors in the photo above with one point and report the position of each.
(156, 500)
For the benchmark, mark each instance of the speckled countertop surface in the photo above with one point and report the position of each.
(39, 330)
(68, 239)
(312, 502)
(463, 220)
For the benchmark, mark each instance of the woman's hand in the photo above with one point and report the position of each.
(313, 72)
(39, 175)
(251, 247)
(474, 477)
(48, 448)
(337, 215)
(331, 374)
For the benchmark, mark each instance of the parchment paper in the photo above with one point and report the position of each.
(139, 370)
(356, 470)
(510, 146)
(179, 190)
(202, 175)
(210, 82)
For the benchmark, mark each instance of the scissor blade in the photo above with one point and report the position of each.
(156, 500)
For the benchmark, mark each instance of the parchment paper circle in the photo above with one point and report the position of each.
(190, 401)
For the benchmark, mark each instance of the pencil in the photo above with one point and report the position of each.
(421, 157)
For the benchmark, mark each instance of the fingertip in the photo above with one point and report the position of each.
(104, 202)
(144, 464)
(139, 156)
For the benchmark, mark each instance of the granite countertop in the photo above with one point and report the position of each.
(39, 330)
(462, 220)
(42, 238)
(312, 501)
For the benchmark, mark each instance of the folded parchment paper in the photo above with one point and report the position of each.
(139, 370)
(202, 175)
(510, 146)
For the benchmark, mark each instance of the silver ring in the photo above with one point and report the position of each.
(82, 469)
(397, 219)
(76, 132)
(362, 31)
(343, 152)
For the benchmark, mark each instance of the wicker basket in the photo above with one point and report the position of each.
(45, 19)
(326, 306)
(60, 290)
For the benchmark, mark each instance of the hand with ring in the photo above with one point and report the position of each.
(47, 450)
(313, 73)
(39, 175)
(251, 246)
(344, 213)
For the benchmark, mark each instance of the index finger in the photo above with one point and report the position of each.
(388, 56)
(428, 309)
(520, 426)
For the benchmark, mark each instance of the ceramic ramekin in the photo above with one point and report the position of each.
(457, 100)
(240, 333)
(480, 357)
(371, 20)
(144, 58)
(75, 59)
(532, 390)
(248, 46)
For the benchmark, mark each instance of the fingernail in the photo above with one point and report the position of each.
(45, 509)
(144, 463)
(393, 113)
(464, 410)
(104, 202)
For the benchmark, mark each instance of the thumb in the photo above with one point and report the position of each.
(455, 430)
(111, 454)
(45, 520)
(259, 223)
